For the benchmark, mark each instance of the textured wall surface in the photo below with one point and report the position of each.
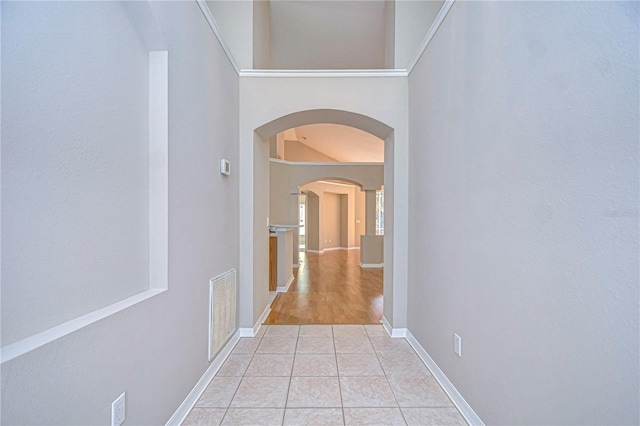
(75, 135)
(74, 163)
(524, 209)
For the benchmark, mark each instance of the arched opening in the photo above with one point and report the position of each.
(256, 281)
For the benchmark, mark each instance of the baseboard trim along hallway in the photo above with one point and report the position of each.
(461, 404)
(190, 401)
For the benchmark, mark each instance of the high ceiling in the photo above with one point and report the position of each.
(321, 34)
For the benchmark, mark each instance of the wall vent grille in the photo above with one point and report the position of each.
(222, 311)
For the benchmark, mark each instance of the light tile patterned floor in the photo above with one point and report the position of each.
(323, 375)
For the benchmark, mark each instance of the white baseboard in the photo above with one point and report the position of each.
(284, 289)
(253, 331)
(354, 248)
(372, 265)
(183, 410)
(334, 248)
(465, 409)
(394, 333)
(315, 251)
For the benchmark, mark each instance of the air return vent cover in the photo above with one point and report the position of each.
(222, 311)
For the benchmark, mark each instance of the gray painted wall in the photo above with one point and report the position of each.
(524, 209)
(154, 351)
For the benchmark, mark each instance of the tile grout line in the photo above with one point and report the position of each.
(389, 383)
(243, 375)
(286, 400)
(335, 354)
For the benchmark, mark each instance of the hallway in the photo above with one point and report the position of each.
(330, 288)
(322, 374)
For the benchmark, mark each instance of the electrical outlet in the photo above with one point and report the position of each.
(457, 344)
(118, 411)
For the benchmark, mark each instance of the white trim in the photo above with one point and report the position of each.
(216, 30)
(323, 73)
(334, 248)
(295, 265)
(326, 182)
(253, 331)
(23, 346)
(283, 289)
(463, 406)
(158, 169)
(183, 410)
(333, 163)
(394, 333)
(315, 251)
(372, 265)
(430, 34)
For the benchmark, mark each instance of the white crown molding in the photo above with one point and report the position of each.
(189, 402)
(430, 34)
(323, 73)
(216, 30)
(461, 404)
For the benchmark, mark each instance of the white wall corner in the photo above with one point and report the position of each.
(285, 288)
(394, 333)
(461, 404)
(253, 331)
(216, 31)
(446, 7)
(189, 402)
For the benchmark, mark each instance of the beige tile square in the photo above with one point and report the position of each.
(246, 345)
(353, 345)
(313, 416)
(313, 392)
(365, 392)
(315, 365)
(374, 330)
(433, 416)
(387, 344)
(419, 392)
(373, 416)
(235, 365)
(282, 331)
(258, 392)
(403, 365)
(359, 365)
(253, 416)
(270, 365)
(313, 330)
(204, 417)
(315, 345)
(348, 330)
(219, 392)
(277, 345)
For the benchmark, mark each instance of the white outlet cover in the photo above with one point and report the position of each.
(118, 410)
(457, 344)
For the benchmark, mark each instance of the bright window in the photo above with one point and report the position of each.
(379, 212)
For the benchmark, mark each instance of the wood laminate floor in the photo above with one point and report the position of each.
(330, 288)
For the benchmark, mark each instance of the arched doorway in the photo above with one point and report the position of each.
(254, 230)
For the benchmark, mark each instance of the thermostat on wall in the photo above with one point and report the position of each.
(225, 167)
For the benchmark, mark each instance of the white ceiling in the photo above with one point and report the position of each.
(343, 143)
(321, 34)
